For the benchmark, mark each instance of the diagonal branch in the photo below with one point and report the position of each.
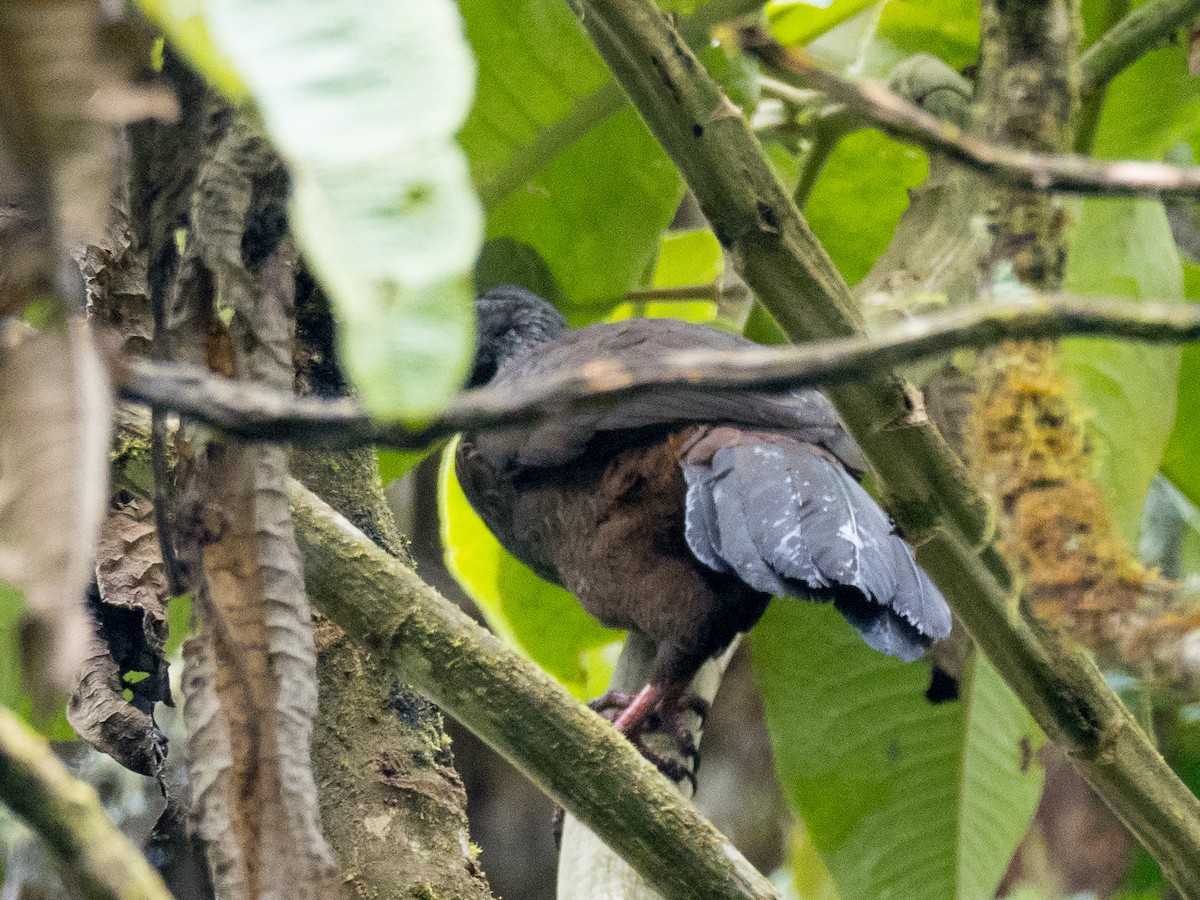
(96, 858)
(1069, 173)
(257, 413)
(567, 750)
(795, 280)
(1143, 30)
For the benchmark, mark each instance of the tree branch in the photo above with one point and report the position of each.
(1131, 38)
(794, 278)
(1023, 168)
(95, 857)
(572, 754)
(257, 413)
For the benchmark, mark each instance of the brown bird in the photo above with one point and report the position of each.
(679, 513)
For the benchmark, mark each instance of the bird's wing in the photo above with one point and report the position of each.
(805, 413)
(788, 519)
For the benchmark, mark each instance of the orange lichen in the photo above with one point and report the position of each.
(1030, 449)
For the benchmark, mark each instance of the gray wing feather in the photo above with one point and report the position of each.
(788, 520)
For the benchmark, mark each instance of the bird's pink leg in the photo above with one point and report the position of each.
(655, 707)
(633, 718)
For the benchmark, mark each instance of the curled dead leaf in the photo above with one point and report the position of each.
(130, 609)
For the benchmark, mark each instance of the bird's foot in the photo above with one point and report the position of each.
(655, 711)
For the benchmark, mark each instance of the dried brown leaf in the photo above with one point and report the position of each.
(250, 681)
(101, 715)
(118, 296)
(55, 421)
(131, 613)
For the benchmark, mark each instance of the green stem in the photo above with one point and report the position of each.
(794, 278)
(1138, 33)
(1092, 104)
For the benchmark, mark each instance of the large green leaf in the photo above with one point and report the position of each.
(1149, 107)
(877, 39)
(902, 798)
(562, 161)
(860, 196)
(1124, 248)
(690, 258)
(1183, 448)
(797, 22)
(945, 28)
(539, 619)
(363, 101)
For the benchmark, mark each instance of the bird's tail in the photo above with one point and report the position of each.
(787, 518)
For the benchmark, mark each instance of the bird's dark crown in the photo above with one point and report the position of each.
(510, 319)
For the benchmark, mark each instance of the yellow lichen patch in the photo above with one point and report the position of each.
(1028, 445)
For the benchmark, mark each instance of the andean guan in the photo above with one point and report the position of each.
(679, 513)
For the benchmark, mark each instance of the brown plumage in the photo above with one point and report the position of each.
(679, 513)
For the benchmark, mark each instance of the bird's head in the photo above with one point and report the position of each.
(510, 319)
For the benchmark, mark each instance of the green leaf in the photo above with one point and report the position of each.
(395, 464)
(12, 694)
(179, 623)
(363, 101)
(562, 161)
(685, 259)
(183, 22)
(945, 28)
(811, 879)
(878, 38)
(1183, 447)
(1124, 248)
(688, 257)
(797, 22)
(860, 196)
(535, 617)
(902, 798)
(1149, 107)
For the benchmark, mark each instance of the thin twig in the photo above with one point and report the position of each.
(95, 857)
(1143, 30)
(710, 291)
(257, 413)
(1068, 173)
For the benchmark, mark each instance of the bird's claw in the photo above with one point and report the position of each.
(669, 721)
(611, 704)
(674, 769)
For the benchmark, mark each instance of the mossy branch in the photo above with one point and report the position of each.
(572, 754)
(795, 280)
(95, 857)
